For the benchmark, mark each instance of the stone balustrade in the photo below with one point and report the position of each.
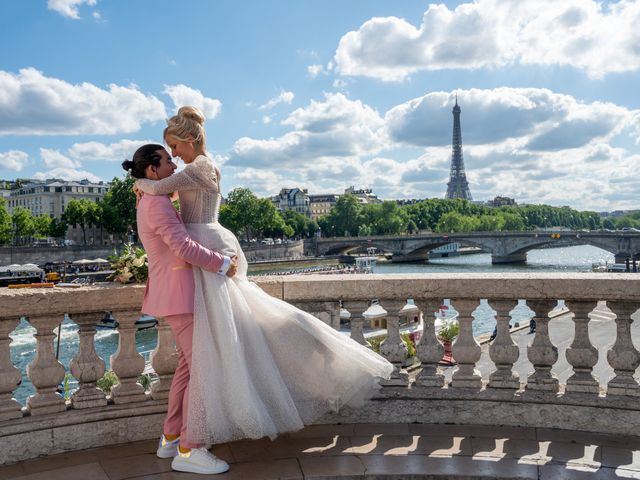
(421, 392)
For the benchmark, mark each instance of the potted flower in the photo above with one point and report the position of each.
(447, 334)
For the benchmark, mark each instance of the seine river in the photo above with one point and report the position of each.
(570, 259)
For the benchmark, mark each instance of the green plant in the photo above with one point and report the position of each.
(131, 265)
(145, 381)
(108, 380)
(449, 331)
(411, 348)
(65, 386)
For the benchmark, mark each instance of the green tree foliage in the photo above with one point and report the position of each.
(42, 225)
(386, 218)
(118, 207)
(301, 226)
(239, 214)
(58, 228)
(83, 213)
(5, 224)
(24, 226)
(344, 219)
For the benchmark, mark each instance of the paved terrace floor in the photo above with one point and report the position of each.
(380, 451)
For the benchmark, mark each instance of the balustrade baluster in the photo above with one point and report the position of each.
(582, 355)
(45, 371)
(466, 350)
(87, 367)
(503, 351)
(357, 321)
(429, 350)
(127, 363)
(395, 350)
(623, 355)
(541, 352)
(164, 360)
(9, 375)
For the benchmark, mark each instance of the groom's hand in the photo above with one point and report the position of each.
(233, 266)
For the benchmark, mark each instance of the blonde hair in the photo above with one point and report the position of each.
(188, 122)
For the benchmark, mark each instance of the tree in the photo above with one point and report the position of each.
(83, 213)
(240, 213)
(58, 228)
(5, 224)
(301, 226)
(24, 225)
(42, 225)
(344, 218)
(118, 207)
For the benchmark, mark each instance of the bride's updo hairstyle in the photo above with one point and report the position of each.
(188, 122)
(146, 155)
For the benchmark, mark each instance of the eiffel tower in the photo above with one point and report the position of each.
(458, 187)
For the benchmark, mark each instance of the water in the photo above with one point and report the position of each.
(569, 259)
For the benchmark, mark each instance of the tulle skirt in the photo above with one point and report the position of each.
(260, 366)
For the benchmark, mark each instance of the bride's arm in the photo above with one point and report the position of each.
(193, 177)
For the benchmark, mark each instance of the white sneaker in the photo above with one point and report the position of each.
(198, 460)
(166, 448)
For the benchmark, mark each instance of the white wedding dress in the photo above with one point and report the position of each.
(260, 366)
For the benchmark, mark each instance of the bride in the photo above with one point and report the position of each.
(260, 366)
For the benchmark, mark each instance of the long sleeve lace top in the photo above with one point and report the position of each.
(198, 187)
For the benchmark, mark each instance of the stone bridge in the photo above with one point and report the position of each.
(505, 247)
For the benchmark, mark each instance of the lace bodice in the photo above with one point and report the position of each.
(198, 187)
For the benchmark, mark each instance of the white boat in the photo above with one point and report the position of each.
(366, 263)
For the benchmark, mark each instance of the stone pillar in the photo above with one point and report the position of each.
(45, 371)
(87, 366)
(582, 355)
(541, 352)
(503, 351)
(623, 356)
(429, 350)
(357, 321)
(164, 360)
(466, 350)
(127, 363)
(395, 350)
(9, 375)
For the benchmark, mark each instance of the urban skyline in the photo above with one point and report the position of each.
(317, 100)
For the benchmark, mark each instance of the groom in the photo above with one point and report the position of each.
(170, 295)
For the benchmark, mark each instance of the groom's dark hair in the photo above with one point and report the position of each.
(146, 155)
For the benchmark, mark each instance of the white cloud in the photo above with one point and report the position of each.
(592, 36)
(283, 97)
(68, 8)
(266, 119)
(182, 95)
(315, 70)
(32, 104)
(66, 174)
(55, 159)
(114, 152)
(334, 128)
(13, 160)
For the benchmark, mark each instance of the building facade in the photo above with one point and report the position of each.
(294, 199)
(364, 195)
(321, 204)
(50, 197)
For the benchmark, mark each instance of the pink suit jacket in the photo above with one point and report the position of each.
(170, 251)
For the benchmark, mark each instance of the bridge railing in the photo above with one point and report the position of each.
(47, 423)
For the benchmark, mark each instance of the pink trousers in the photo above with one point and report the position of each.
(176, 421)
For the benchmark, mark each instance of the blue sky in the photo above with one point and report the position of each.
(323, 95)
